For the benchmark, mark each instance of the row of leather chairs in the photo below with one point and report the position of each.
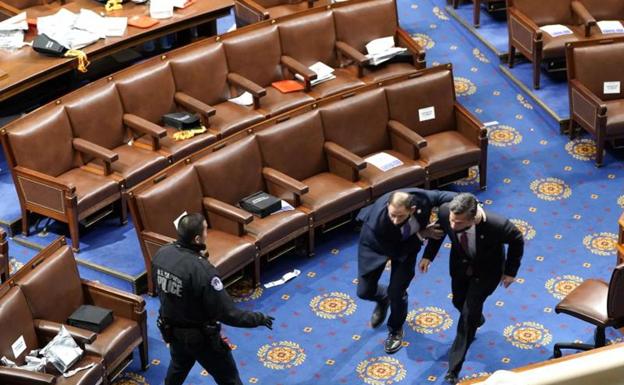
(40, 297)
(314, 158)
(106, 137)
(252, 11)
(4, 256)
(526, 17)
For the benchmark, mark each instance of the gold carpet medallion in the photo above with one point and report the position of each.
(14, 265)
(480, 55)
(382, 370)
(333, 305)
(429, 320)
(582, 149)
(243, 291)
(551, 189)
(472, 178)
(464, 86)
(527, 335)
(423, 40)
(559, 287)
(504, 136)
(601, 243)
(130, 378)
(524, 102)
(620, 201)
(440, 13)
(281, 355)
(528, 231)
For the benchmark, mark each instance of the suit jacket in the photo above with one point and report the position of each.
(491, 236)
(380, 239)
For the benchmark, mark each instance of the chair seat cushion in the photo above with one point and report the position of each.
(111, 343)
(554, 47)
(410, 173)
(587, 302)
(136, 164)
(275, 227)
(449, 150)
(615, 117)
(91, 376)
(330, 195)
(228, 253)
(91, 189)
(276, 102)
(183, 148)
(231, 118)
(345, 80)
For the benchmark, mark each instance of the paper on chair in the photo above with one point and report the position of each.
(177, 220)
(323, 73)
(285, 278)
(379, 45)
(285, 207)
(611, 87)
(244, 99)
(610, 26)
(384, 161)
(555, 30)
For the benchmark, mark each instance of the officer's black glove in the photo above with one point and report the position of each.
(267, 321)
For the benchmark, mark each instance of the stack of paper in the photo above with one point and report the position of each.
(323, 73)
(384, 161)
(12, 32)
(610, 26)
(382, 49)
(244, 99)
(555, 30)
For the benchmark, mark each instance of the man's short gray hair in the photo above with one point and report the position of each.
(464, 203)
(401, 199)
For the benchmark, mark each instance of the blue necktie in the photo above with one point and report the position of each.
(406, 230)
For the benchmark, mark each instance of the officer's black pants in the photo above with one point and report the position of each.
(469, 294)
(401, 274)
(191, 345)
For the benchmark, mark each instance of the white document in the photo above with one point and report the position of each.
(611, 88)
(12, 40)
(90, 21)
(427, 113)
(179, 3)
(384, 161)
(610, 26)
(177, 220)
(18, 346)
(555, 30)
(491, 123)
(285, 207)
(285, 278)
(245, 99)
(161, 9)
(60, 27)
(115, 26)
(61, 21)
(379, 45)
(17, 22)
(323, 73)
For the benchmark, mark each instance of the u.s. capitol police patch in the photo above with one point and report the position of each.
(216, 283)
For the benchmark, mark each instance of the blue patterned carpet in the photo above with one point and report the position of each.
(548, 185)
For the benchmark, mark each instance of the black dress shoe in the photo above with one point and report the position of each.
(380, 312)
(481, 321)
(451, 378)
(394, 342)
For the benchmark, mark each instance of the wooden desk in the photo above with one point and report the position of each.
(27, 68)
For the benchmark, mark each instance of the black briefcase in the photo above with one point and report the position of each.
(91, 318)
(261, 204)
(181, 120)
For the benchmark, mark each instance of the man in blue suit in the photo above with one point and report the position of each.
(394, 228)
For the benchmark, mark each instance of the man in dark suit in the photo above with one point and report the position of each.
(478, 264)
(394, 228)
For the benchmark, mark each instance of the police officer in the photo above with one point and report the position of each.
(193, 302)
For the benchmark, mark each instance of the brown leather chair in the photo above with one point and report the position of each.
(524, 19)
(16, 321)
(201, 72)
(55, 183)
(360, 125)
(492, 5)
(604, 9)
(97, 115)
(252, 11)
(234, 172)
(597, 302)
(359, 23)
(255, 55)
(147, 92)
(54, 290)
(456, 140)
(4, 257)
(312, 38)
(600, 114)
(297, 148)
(169, 194)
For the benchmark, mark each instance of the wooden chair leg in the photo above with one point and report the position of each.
(311, 240)
(600, 144)
(477, 13)
(512, 56)
(25, 225)
(536, 74)
(143, 352)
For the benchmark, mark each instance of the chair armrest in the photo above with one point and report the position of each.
(255, 90)
(123, 304)
(193, 105)
(284, 181)
(600, 106)
(296, 67)
(524, 21)
(144, 126)
(96, 151)
(44, 179)
(253, 7)
(469, 126)
(400, 130)
(342, 154)
(583, 14)
(49, 329)
(353, 54)
(225, 217)
(24, 377)
(403, 39)
(593, 102)
(156, 237)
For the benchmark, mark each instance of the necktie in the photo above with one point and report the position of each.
(406, 231)
(463, 240)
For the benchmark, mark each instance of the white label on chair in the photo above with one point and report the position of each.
(18, 347)
(611, 88)
(426, 113)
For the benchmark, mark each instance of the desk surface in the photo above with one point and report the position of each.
(27, 68)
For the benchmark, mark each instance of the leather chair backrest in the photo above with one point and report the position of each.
(16, 321)
(232, 172)
(546, 12)
(605, 9)
(161, 204)
(295, 147)
(615, 298)
(310, 38)
(359, 23)
(256, 55)
(53, 288)
(586, 69)
(147, 89)
(432, 90)
(274, 3)
(201, 72)
(96, 114)
(358, 123)
(48, 134)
